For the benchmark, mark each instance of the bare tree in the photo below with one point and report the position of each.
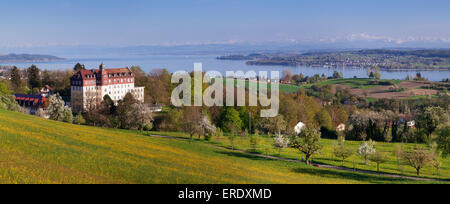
(192, 116)
(286, 76)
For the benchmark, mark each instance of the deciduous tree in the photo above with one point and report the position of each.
(308, 142)
(280, 142)
(341, 151)
(418, 158)
(366, 149)
(443, 139)
(379, 158)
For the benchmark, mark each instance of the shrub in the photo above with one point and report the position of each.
(79, 120)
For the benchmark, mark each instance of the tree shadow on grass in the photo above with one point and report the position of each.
(330, 173)
(244, 155)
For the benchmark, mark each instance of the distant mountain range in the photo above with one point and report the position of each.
(239, 48)
(28, 58)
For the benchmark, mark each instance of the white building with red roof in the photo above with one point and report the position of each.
(88, 87)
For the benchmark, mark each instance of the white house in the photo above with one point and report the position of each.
(299, 127)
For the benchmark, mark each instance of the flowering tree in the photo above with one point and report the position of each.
(280, 142)
(206, 128)
(308, 142)
(366, 149)
(57, 110)
(142, 116)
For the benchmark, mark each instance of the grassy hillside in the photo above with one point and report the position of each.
(34, 150)
(326, 156)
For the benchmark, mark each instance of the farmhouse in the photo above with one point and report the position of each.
(88, 87)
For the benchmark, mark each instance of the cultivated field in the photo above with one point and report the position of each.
(365, 88)
(34, 150)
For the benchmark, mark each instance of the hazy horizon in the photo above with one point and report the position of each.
(325, 23)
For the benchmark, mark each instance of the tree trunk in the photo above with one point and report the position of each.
(418, 171)
(343, 160)
(307, 159)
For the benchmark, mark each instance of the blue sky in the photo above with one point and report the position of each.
(169, 22)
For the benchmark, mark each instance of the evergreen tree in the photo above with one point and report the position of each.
(16, 79)
(79, 67)
(34, 79)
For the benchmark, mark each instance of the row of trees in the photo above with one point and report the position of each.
(389, 126)
(30, 80)
(298, 79)
(129, 113)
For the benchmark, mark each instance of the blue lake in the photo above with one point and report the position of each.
(186, 62)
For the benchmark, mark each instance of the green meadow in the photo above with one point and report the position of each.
(326, 156)
(35, 150)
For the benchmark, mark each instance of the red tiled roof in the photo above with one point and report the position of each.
(85, 73)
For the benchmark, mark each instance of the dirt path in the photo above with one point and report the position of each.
(315, 165)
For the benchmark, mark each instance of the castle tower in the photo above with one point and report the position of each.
(102, 66)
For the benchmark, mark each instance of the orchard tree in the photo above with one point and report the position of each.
(254, 140)
(379, 158)
(280, 142)
(366, 149)
(341, 151)
(233, 133)
(418, 158)
(308, 143)
(443, 139)
(437, 165)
